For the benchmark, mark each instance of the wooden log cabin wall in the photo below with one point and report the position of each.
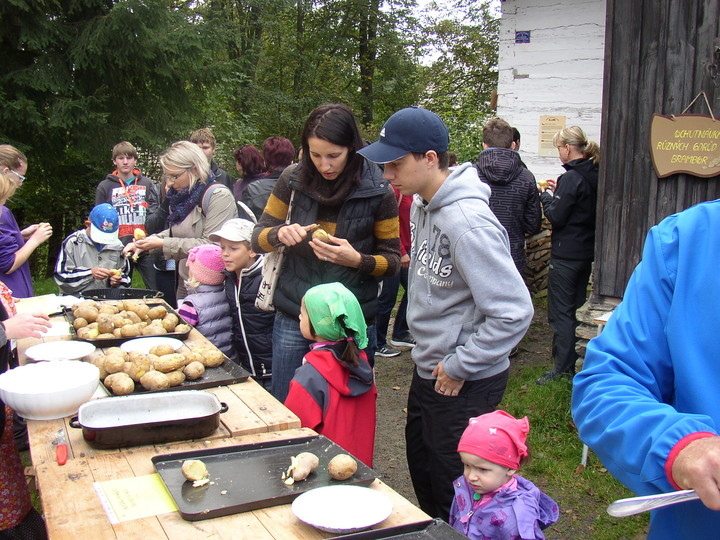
(659, 55)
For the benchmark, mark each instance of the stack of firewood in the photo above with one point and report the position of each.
(537, 248)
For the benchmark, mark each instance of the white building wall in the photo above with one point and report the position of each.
(560, 72)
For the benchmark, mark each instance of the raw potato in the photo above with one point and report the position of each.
(130, 330)
(89, 313)
(162, 350)
(342, 467)
(195, 471)
(213, 357)
(176, 377)
(194, 370)
(120, 384)
(303, 464)
(154, 380)
(158, 312)
(79, 323)
(137, 368)
(169, 362)
(117, 350)
(114, 363)
(320, 234)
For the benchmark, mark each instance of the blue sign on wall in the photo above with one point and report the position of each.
(522, 36)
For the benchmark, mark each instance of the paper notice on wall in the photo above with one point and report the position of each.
(134, 498)
(549, 126)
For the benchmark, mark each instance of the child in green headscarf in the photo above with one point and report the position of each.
(333, 391)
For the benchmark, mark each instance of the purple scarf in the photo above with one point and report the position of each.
(182, 202)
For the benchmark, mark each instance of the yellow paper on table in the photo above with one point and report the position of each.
(134, 498)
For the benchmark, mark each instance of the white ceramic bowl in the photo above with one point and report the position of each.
(49, 390)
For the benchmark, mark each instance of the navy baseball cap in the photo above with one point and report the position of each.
(409, 130)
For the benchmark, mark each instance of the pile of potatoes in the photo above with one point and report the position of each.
(161, 368)
(123, 318)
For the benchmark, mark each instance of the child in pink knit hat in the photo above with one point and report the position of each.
(491, 500)
(205, 306)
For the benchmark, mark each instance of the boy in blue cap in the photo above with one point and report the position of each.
(91, 258)
(467, 304)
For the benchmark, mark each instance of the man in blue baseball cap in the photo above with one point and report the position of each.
(91, 258)
(467, 305)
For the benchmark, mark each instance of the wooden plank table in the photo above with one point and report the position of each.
(251, 409)
(72, 508)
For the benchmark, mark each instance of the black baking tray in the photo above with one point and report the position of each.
(435, 529)
(223, 375)
(116, 342)
(248, 477)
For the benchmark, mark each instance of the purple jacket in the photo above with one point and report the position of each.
(19, 282)
(511, 514)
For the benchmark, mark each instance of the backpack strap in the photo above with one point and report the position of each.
(242, 207)
(208, 193)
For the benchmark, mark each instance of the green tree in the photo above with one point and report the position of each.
(463, 37)
(80, 76)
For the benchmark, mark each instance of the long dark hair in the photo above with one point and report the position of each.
(336, 124)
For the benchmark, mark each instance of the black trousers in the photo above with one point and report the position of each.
(567, 291)
(434, 425)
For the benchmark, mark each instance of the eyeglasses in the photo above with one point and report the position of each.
(174, 177)
(20, 176)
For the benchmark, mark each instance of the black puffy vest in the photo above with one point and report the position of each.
(355, 222)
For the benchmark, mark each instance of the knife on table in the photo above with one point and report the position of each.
(61, 450)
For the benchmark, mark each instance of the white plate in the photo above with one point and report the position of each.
(60, 350)
(342, 509)
(144, 345)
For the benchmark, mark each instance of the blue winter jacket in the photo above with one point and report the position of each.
(651, 381)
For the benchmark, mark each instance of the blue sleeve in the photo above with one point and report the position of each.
(622, 398)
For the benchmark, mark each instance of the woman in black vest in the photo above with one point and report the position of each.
(336, 188)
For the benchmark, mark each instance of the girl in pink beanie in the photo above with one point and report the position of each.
(205, 306)
(491, 501)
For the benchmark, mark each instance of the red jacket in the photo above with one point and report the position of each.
(335, 399)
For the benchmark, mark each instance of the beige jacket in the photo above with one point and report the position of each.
(194, 231)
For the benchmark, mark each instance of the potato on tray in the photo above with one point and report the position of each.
(159, 369)
(124, 319)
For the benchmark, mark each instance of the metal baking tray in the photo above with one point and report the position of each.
(149, 419)
(248, 477)
(116, 342)
(435, 529)
(223, 375)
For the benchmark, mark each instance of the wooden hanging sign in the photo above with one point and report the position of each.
(688, 143)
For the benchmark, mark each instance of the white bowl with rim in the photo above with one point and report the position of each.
(49, 390)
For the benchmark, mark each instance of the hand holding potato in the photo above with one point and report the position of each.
(339, 251)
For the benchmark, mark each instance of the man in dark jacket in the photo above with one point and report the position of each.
(514, 195)
(205, 139)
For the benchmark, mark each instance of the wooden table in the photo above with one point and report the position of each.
(72, 509)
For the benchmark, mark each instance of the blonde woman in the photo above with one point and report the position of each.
(570, 205)
(16, 245)
(191, 216)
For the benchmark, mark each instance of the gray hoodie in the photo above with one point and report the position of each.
(467, 303)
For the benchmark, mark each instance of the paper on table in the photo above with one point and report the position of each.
(58, 328)
(134, 498)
